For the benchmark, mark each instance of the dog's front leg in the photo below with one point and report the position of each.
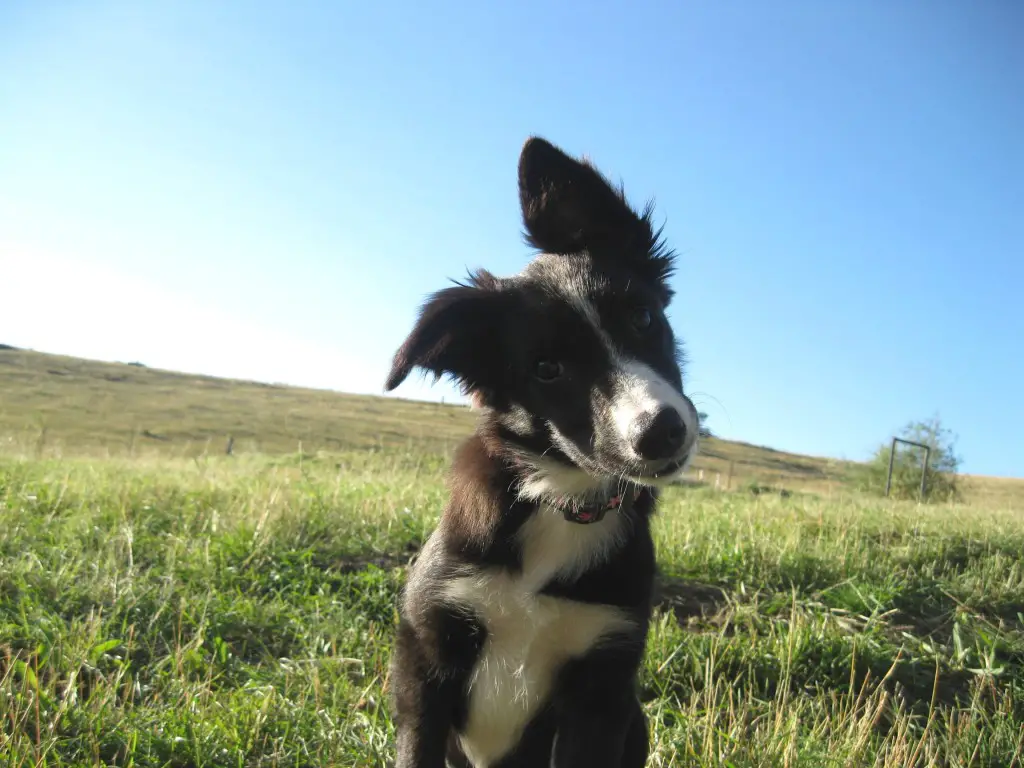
(424, 699)
(598, 736)
(601, 723)
(421, 730)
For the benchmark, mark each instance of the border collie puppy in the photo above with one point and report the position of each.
(523, 622)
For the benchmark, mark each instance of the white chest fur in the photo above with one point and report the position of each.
(531, 635)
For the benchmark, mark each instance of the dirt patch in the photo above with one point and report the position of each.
(384, 561)
(688, 600)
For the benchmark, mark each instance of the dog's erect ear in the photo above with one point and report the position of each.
(568, 207)
(455, 334)
(568, 204)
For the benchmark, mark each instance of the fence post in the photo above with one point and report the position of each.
(924, 469)
(892, 458)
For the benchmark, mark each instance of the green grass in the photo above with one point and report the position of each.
(221, 611)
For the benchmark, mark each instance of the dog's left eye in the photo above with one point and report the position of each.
(548, 370)
(641, 318)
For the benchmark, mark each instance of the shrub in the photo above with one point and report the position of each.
(940, 483)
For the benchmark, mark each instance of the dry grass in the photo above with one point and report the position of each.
(52, 405)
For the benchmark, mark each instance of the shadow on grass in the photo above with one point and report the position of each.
(688, 600)
(755, 646)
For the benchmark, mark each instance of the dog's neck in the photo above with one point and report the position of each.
(575, 511)
(580, 497)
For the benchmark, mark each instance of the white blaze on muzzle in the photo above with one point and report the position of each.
(639, 392)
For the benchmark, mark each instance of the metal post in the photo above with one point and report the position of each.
(892, 458)
(924, 469)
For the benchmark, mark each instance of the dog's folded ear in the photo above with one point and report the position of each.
(568, 207)
(457, 333)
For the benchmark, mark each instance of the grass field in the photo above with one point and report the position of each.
(51, 405)
(167, 605)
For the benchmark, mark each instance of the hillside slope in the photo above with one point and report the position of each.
(69, 406)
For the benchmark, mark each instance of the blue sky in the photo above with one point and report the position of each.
(269, 190)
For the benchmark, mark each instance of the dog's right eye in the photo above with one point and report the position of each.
(548, 370)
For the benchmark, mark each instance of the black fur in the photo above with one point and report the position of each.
(581, 309)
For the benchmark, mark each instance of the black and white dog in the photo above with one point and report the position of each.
(524, 620)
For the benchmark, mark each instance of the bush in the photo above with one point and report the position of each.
(941, 482)
(702, 420)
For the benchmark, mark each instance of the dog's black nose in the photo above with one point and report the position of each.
(659, 436)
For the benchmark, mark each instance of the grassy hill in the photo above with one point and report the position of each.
(56, 405)
(164, 612)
